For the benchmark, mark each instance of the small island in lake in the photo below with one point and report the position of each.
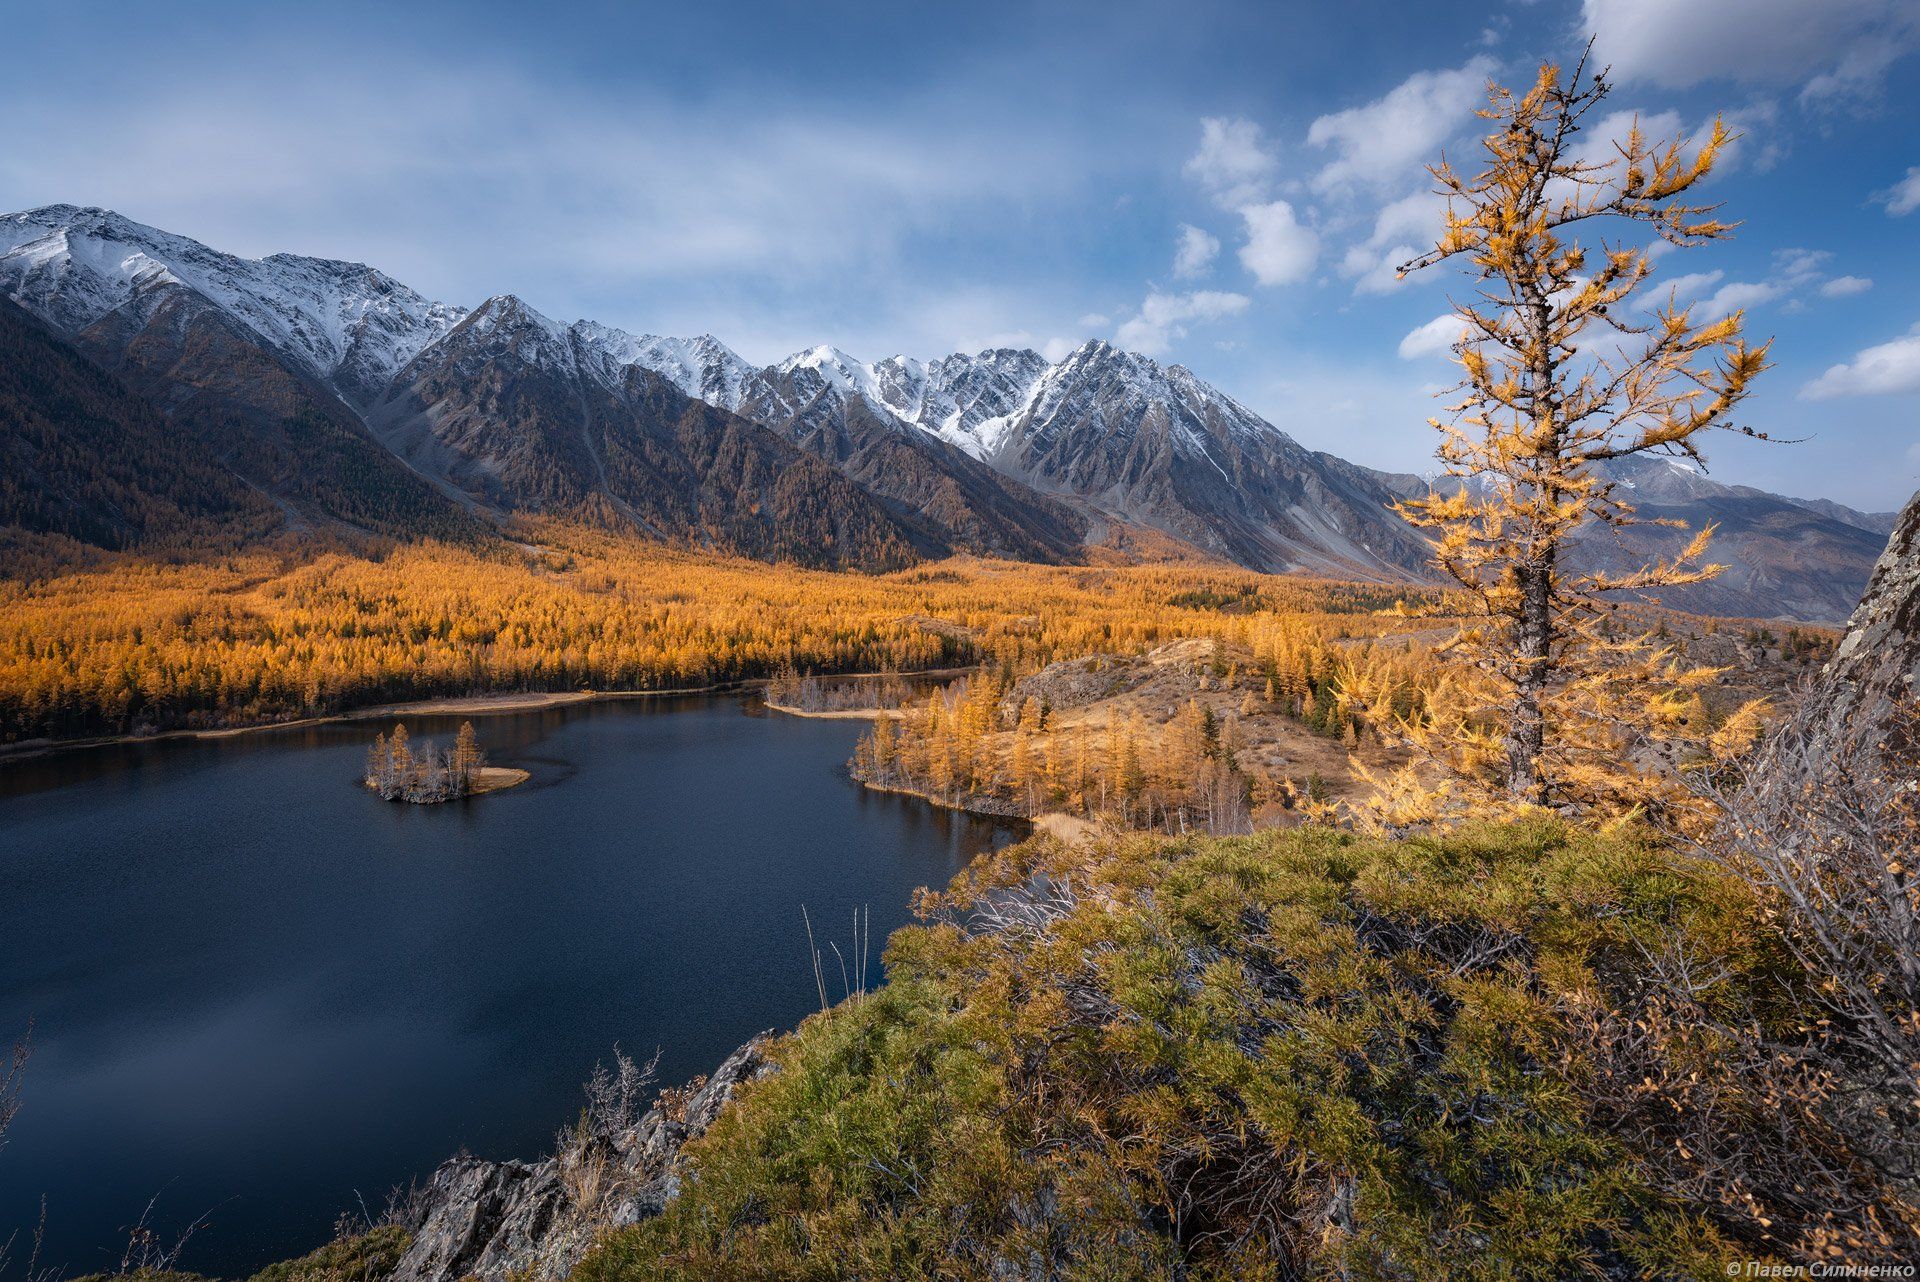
(400, 772)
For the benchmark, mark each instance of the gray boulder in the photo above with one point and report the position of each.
(488, 1220)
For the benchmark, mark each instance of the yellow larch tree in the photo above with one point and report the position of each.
(1564, 369)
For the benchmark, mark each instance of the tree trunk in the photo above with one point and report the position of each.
(1534, 626)
(1533, 648)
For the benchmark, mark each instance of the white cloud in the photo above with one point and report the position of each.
(1057, 349)
(1737, 296)
(1399, 226)
(1095, 320)
(1233, 163)
(1433, 338)
(1195, 252)
(1279, 249)
(1402, 230)
(1419, 217)
(1378, 270)
(1797, 267)
(1877, 371)
(1829, 47)
(1597, 142)
(1685, 288)
(1376, 145)
(1755, 140)
(1904, 196)
(489, 177)
(1796, 271)
(1164, 318)
(1758, 141)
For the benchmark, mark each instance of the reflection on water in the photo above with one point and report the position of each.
(260, 992)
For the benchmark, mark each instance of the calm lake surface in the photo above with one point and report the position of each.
(261, 994)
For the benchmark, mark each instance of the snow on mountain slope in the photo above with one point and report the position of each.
(1125, 391)
(354, 329)
(506, 324)
(961, 399)
(999, 451)
(1146, 443)
(703, 367)
(976, 401)
(347, 324)
(842, 372)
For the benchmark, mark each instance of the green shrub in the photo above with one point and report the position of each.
(1291, 1054)
(366, 1257)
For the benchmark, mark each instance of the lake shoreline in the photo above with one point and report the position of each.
(252, 888)
(474, 705)
(838, 714)
(485, 779)
(497, 779)
(977, 810)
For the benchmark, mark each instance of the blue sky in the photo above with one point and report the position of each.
(1217, 184)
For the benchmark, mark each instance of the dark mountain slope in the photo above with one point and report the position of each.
(1784, 557)
(924, 481)
(1159, 447)
(739, 487)
(285, 369)
(261, 419)
(507, 413)
(1781, 560)
(83, 456)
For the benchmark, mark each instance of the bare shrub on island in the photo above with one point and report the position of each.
(398, 771)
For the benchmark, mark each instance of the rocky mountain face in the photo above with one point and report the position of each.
(1786, 557)
(535, 1220)
(923, 478)
(348, 398)
(1159, 447)
(1854, 707)
(237, 355)
(511, 412)
(343, 324)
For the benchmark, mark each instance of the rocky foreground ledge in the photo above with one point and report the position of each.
(535, 1220)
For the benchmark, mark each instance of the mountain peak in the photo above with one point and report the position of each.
(342, 322)
(703, 367)
(75, 217)
(512, 314)
(824, 357)
(841, 371)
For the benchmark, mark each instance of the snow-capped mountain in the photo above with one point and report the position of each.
(702, 367)
(347, 396)
(512, 412)
(965, 400)
(344, 323)
(1125, 438)
(1788, 556)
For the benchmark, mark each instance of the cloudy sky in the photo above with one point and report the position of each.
(1223, 185)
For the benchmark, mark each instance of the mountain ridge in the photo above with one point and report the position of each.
(1000, 452)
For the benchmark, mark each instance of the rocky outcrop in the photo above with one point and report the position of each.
(1854, 705)
(535, 1220)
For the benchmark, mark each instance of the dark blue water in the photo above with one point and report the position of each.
(261, 994)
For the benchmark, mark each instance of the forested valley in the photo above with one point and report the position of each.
(1503, 923)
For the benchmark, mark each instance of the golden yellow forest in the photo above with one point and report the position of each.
(129, 644)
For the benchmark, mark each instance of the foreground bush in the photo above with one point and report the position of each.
(352, 1257)
(1265, 1057)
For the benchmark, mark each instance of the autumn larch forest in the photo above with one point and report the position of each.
(1502, 869)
